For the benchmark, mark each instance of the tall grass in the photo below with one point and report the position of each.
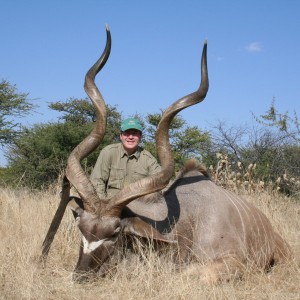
(25, 217)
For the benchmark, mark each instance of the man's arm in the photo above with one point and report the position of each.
(152, 164)
(100, 173)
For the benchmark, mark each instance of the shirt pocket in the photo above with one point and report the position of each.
(116, 178)
(139, 173)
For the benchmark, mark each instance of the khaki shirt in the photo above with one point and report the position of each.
(114, 169)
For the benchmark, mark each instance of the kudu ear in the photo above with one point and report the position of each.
(140, 228)
(76, 205)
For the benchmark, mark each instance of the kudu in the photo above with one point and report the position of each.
(202, 221)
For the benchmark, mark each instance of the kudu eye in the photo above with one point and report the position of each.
(116, 232)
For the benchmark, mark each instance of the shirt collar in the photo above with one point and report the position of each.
(136, 154)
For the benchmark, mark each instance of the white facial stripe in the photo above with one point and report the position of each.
(90, 247)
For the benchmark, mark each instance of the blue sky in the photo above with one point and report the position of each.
(253, 54)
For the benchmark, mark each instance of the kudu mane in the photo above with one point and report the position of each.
(190, 165)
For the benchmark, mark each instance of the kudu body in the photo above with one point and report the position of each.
(201, 220)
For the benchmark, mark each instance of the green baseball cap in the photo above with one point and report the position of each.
(131, 123)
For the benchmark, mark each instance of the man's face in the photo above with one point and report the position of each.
(130, 139)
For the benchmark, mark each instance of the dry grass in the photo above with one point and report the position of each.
(24, 220)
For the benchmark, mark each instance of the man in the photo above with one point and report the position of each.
(121, 164)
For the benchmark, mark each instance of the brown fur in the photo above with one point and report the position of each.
(192, 165)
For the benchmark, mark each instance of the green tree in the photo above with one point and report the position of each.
(186, 141)
(81, 111)
(75, 110)
(13, 105)
(289, 125)
(39, 154)
(284, 151)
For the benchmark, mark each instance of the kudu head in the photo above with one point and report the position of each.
(99, 221)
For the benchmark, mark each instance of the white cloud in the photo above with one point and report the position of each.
(254, 47)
